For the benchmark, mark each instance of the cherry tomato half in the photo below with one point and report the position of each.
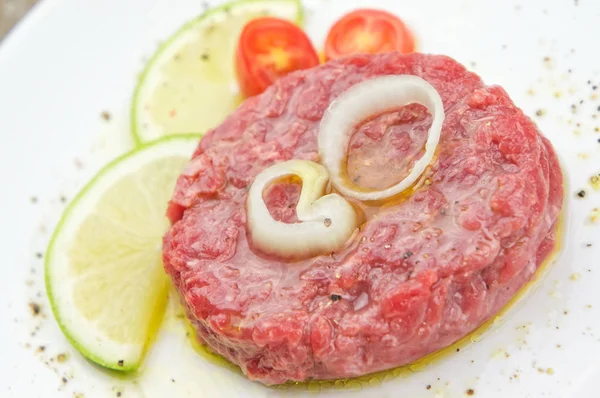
(268, 49)
(368, 31)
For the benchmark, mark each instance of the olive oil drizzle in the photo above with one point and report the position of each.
(378, 378)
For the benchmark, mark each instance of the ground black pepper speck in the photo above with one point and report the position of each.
(35, 308)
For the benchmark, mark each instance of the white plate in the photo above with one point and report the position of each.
(70, 60)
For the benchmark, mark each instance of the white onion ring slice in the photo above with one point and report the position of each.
(367, 99)
(326, 222)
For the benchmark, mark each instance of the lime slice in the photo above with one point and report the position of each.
(189, 85)
(104, 274)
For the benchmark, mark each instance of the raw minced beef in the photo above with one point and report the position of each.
(423, 271)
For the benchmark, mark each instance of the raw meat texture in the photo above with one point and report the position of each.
(423, 271)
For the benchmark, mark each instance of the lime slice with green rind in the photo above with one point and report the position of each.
(189, 85)
(104, 273)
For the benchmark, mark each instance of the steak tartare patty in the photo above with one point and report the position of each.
(422, 271)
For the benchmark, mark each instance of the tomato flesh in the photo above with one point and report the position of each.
(268, 49)
(368, 31)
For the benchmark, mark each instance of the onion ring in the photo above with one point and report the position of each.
(367, 99)
(326, 222)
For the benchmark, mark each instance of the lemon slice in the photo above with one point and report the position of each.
(189, 85)
(104, 273)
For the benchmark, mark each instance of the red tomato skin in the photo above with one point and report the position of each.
(404, 41)
(253, 75)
